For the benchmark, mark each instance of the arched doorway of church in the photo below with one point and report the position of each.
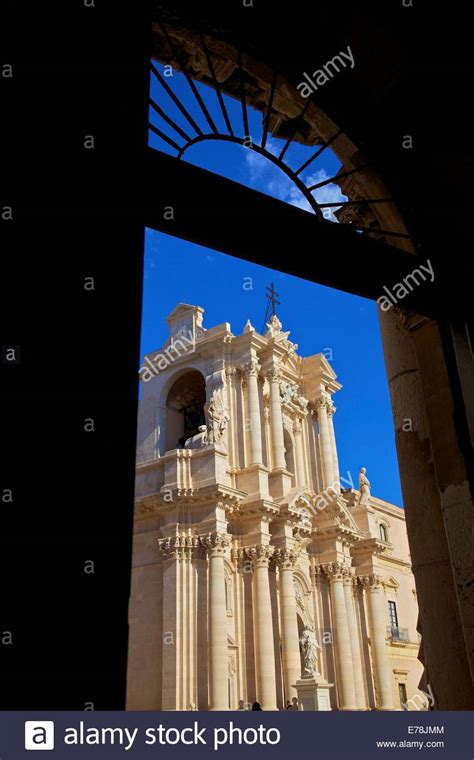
(185, 408)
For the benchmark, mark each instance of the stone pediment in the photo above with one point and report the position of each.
(291, 362)
(296, 495)
(337, 513)
(185, 321)
(299, 502)
(183, 309)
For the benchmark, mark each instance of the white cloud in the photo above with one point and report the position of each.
(265, 176)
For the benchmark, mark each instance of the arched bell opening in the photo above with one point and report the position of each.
(185, 408)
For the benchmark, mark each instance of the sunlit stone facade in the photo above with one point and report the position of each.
(246, 534)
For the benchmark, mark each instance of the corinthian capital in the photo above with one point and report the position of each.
(323, 403)
(286, 558)
(180, 546)
(273, 375)
(315, 570)
(336, 571)
(252, 368)
(371, 582)
(216, 543)
(260, 555)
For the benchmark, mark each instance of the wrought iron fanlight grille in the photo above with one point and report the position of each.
(195, 124)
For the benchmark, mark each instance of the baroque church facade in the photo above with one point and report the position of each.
(245, 541)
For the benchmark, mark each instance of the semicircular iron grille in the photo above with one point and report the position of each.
(185, 113)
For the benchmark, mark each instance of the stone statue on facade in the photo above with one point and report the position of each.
(364, 486)
(289, 391)
(305, 517)
(199, 440)
(309, 647)
(217, 416)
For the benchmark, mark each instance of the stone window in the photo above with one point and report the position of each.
(402, 694)
(392, 614)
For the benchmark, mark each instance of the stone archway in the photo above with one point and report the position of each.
(219, 64)
(435, 475)
(184, 408)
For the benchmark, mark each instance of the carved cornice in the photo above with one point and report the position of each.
(372, 545)
(409, 319)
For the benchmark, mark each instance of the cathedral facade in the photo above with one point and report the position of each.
(249, 543)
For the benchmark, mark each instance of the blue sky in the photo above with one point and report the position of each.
(342, 326)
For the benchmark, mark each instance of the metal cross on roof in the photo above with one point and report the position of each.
(272, 300)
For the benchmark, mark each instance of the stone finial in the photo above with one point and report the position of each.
(249, 327)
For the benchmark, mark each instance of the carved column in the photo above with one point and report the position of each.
(346, 688)
(378, 629)
(276, 419)
(218, 655)
(267, 436)
(265, 655)
(299, 453)
(355, 643)
(171, 641)
(289, 623)
(254, 412)
(230, 374)
(335, 462)
(316, 575)
(325, 443)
